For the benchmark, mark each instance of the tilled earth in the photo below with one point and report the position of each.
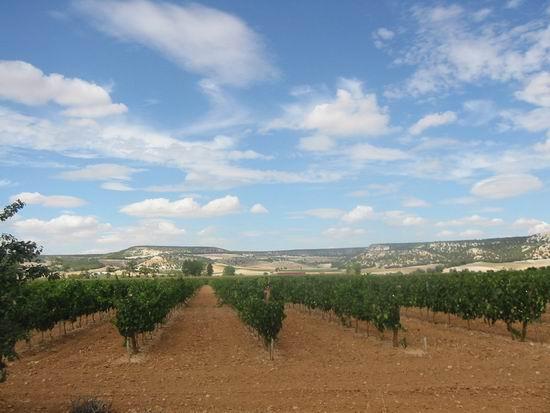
(205, 359)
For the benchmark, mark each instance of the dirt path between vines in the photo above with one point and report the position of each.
(207, 360)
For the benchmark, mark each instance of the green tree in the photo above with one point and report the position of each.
(192, 268)
(209, 269)
(228, 270)
(353, 268)
(13, 277)
(131, 267)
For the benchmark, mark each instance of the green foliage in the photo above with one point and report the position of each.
(228, 270)
(209, 269)
(192, 268)
(147, 303)
(247, 297)
(13, 278)
(511, 297)
(353, 268)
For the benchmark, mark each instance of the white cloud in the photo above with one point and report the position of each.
(183, 208)
(481, 14)
(432, 120)
(512, 4)
(344, 232)
(350, 113)
(376, 190)
(22, 82)
(445, 234)
(385, 34)
(208, 163)
(51, 201)
(62, 227)
(461, 200)
(415, 203)
(316, 143)
(537, 90)
(359, 213)
(149, 232)
(258, 209)
(475, 220)
(5, 182)
(100, 172)
(533, 226)
(381, 36)
(506, 186)
(472, 233)
(367, 152)
(449, 49)
(536, 120)
(116, 186)
(324, 213)
(400, 218)
(200, 39)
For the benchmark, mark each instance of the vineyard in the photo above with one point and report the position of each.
(300, 320)
(140, 305)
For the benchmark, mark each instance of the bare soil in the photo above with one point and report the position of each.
(205, 359)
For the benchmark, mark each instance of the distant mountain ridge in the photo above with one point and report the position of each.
(388, 255)
(453, 253)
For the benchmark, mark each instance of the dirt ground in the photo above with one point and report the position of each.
(207, 360)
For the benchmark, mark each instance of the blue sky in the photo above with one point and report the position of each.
(273, 125)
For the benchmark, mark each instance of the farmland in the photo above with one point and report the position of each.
(211, 357)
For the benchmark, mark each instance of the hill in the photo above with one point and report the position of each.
(454, 253)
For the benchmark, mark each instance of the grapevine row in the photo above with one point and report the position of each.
(255, 305)
(140, 304)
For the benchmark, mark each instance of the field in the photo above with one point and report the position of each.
(205, 359)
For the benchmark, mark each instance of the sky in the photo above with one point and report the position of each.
(273, 125)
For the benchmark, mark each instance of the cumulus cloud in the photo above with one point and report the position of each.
(64, 227)
(351, 113)
(100, 172)
(402, 219)
(412, 202)
(506, 186)
(51, 201)
(368, 152)
(532, 225)
(145, 232)
(472, 233)
(536, 90)
(324, 213)
(432, 120)
(183, 208)
(258, 209)
(476, 220)
(116, 186)
(344, 232)
(359, 213)
(316, 143)
(200, 39)
(23, 83)
(381, 36)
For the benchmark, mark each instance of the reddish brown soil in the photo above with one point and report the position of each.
(206, 360)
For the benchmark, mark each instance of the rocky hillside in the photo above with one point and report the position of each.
(452, 253)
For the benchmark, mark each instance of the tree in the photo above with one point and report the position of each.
(13, 276)
(353, 268)
(131, 267)
(228, 270)
(192, 268)
(209, 269)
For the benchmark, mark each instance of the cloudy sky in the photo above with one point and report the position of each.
(271, 125)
